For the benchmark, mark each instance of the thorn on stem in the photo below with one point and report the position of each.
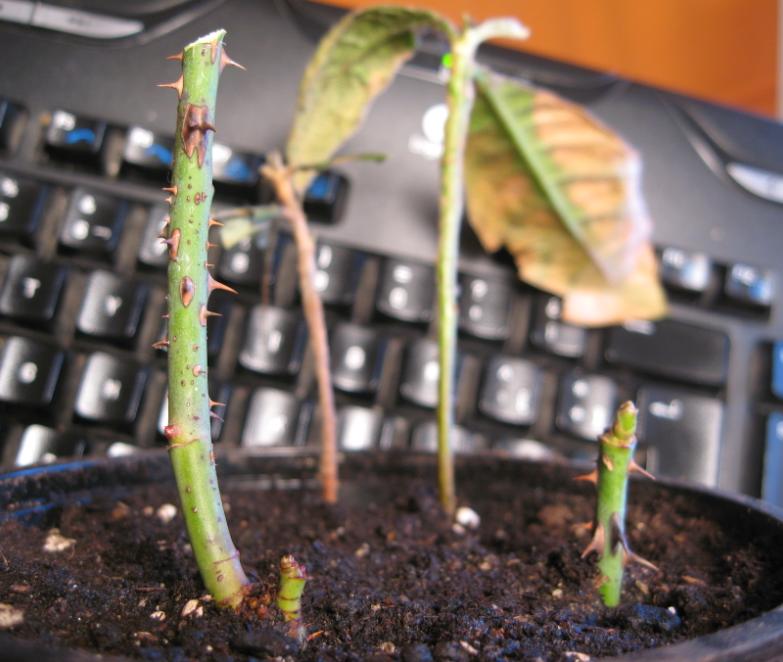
(591, 477)
(213, 285)
(186, 290)
(176, 85)
(161, 344)
(226, 61)
(597, 543)
(634, 468)
(177, 57)
(173, 243)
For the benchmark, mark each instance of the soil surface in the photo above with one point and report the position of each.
(392, 577)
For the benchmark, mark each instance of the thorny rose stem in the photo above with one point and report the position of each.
(281, 178)
(615, 462)
(189, 287)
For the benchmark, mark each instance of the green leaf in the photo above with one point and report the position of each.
(355, 61)
(562, 193)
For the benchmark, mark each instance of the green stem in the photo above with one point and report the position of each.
(189, 286)
(293, 577)
(615, 462)
(459, 98)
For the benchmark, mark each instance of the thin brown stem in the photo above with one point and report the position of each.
(280, 177)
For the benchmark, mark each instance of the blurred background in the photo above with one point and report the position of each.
(722, 50)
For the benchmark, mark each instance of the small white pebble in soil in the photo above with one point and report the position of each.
(557, 593)
(671, 610)
(20, 588)
(375, 607)
(148, 511)
(388, 647)
(485, 565)
(362, 551)
(143, 602)
(166, 513)
(192, 607)
(468, 648)
(458, 529)
(209, 648)
(158, 615)
(57, 542)
(468, 518)
(576, 656)
(10, 616)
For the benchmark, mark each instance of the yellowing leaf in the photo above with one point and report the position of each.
(562, 193)
(354, 62)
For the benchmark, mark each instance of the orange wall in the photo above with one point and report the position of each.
(724, 50)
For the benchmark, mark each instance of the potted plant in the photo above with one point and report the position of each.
(398, 579)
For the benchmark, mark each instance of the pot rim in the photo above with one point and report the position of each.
(755, 639)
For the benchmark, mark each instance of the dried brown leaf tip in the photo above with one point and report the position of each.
(195, 125)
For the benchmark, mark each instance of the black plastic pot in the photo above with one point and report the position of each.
(34, 494)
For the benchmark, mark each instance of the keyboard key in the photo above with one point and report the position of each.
(682, 432)
(243, 263)
(93, 223)
(425, 438)
(510, 390)
(337, 273)
(357, 358)
(74, 138)
(777, 370)
(274, 341)
(12, 121)
(671, 349)
(484, 306)
(22, 204)
(110, 391)
(149, 153)
(153, 251)
(420, 370)
(686, 271)
(552, 335)
(359, 428)
(32, 290)
(324, 200)
(42, 445)
(772, 477)
(234, 168)
(112, 307)
(527, 449)
(586, 405)
(271, 419)
(749, 286)
(406, 291)
(29, 372)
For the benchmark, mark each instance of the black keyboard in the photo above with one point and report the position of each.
(86, 143)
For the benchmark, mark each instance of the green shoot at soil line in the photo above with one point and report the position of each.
(293, 577)
(189, 287)
(615, 462)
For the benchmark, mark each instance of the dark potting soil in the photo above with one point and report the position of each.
(392, 577)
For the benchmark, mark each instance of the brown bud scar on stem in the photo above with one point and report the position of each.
(213, 285)
(170, 431)
(186, 290)
(173, 243)
(607, 462)
(199, 197)
(195, 125)
(176, 85)
(161, 344)
(226, 61)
